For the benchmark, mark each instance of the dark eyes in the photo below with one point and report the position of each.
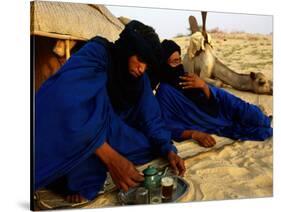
(175, 62)
(140, 59)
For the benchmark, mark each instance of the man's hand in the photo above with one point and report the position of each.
(177, 163)
(203, 139)
(192, 81)
(123, 172)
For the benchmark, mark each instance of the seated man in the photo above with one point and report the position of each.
(193, 109)
(98, 114)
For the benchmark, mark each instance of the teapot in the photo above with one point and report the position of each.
(152, 177)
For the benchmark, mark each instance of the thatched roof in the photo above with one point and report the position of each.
(73, 20)
(124, 20)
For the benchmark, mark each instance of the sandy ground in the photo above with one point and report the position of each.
(241, 169)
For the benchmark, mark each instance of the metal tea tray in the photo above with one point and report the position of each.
(129, 198)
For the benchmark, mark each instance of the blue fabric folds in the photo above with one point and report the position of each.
(74, 116)
(235, 119)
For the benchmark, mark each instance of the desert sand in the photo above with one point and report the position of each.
(238, 169)
(241, 170)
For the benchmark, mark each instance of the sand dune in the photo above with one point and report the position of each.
(241, 170)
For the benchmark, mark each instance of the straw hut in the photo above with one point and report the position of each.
(124, 20)
(59, 28)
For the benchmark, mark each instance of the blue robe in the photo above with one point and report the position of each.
(74, 116)
(235, 118)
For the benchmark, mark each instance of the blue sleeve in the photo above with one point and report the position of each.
(71, 113)
(152, 123)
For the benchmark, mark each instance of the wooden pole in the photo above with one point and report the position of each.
(67, 49)
(57, 36)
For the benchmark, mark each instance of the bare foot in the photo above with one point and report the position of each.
(75, 198)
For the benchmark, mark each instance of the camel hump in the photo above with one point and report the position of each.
(193, 24)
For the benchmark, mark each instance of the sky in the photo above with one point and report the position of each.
(169, 23)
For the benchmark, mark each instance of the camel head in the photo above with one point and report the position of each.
(261, 84)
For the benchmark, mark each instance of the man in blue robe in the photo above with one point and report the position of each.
(98, 114)
(193, 109)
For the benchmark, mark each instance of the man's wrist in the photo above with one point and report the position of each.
(187, 134)
(104, 152)
(205, 86)
(206, 90)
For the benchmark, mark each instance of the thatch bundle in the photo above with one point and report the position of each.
(73, 21)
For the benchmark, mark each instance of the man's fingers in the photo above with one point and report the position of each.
(130, 183)
(77, 198)
(183, 78)
(138, 178)
(210, 144)
(72, 199)
(68, 198)
(186, 79)
(187, 87)
(189, 74)
(190, 78)
(207, 140)
(174, 165)
(80, 198)
(182, 83)
(205, 143)
(123, 186)
(211, 141)
(181, 168)
(119, 184)
(182, 171)
(186, 83)
(114, 178)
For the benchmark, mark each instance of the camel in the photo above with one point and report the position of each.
(201, 60)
